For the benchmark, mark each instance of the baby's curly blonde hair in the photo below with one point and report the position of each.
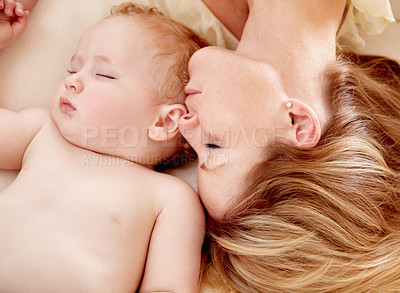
(175, 42)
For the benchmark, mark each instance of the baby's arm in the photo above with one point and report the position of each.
(17, 129)
(173, 261)
(13, 21)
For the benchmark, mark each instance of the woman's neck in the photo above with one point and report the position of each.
(276, 27)
(297, 38)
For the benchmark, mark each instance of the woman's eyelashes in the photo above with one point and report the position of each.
(213, 146)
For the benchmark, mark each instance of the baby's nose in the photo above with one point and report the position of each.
(73, 83)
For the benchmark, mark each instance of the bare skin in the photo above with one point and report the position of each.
(13, 19)
(232, 13)
(89, 213)
(314, 40)
(257, 23)
(27, 4)
(278, 66)
(88, 229)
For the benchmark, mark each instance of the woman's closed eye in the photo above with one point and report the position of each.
(214, 157)
(213, 146)
(71, 71)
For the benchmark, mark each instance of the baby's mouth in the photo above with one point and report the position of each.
(66, 105)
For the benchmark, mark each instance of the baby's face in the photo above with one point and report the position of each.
(106, 104)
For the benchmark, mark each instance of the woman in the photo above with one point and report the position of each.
(277, 69)
(299, 156)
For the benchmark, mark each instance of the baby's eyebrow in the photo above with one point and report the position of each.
(76, 58)
(101, 58)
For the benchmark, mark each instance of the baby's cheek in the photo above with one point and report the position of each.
(57, 93)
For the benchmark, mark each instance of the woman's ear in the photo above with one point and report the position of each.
(165, 126)
(305, 128)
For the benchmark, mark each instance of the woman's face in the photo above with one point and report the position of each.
(234, 112)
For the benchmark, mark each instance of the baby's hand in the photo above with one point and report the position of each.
(13, 21)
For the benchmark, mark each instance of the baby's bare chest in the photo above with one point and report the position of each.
(65, 222)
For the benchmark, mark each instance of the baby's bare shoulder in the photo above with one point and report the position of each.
(163, 191)
(169, 184)
(181, 196)
(170, 188)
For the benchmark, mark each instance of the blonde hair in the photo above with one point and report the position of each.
(175, 42)
(326, 219)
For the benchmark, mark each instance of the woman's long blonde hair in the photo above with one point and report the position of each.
(326, 219)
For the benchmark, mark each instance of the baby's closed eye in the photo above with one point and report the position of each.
(108, 76)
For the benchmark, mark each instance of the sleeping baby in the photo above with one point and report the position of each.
(87, 212)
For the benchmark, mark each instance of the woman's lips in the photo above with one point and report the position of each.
(190, 92)
(66, 106)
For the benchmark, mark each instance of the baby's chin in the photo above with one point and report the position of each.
(76, 140)
(71, 134)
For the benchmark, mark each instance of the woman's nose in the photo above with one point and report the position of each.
(73, 82)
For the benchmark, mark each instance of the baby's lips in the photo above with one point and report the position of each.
(66, 105)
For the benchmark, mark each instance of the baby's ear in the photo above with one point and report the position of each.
(305, 128)
(165, 126)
